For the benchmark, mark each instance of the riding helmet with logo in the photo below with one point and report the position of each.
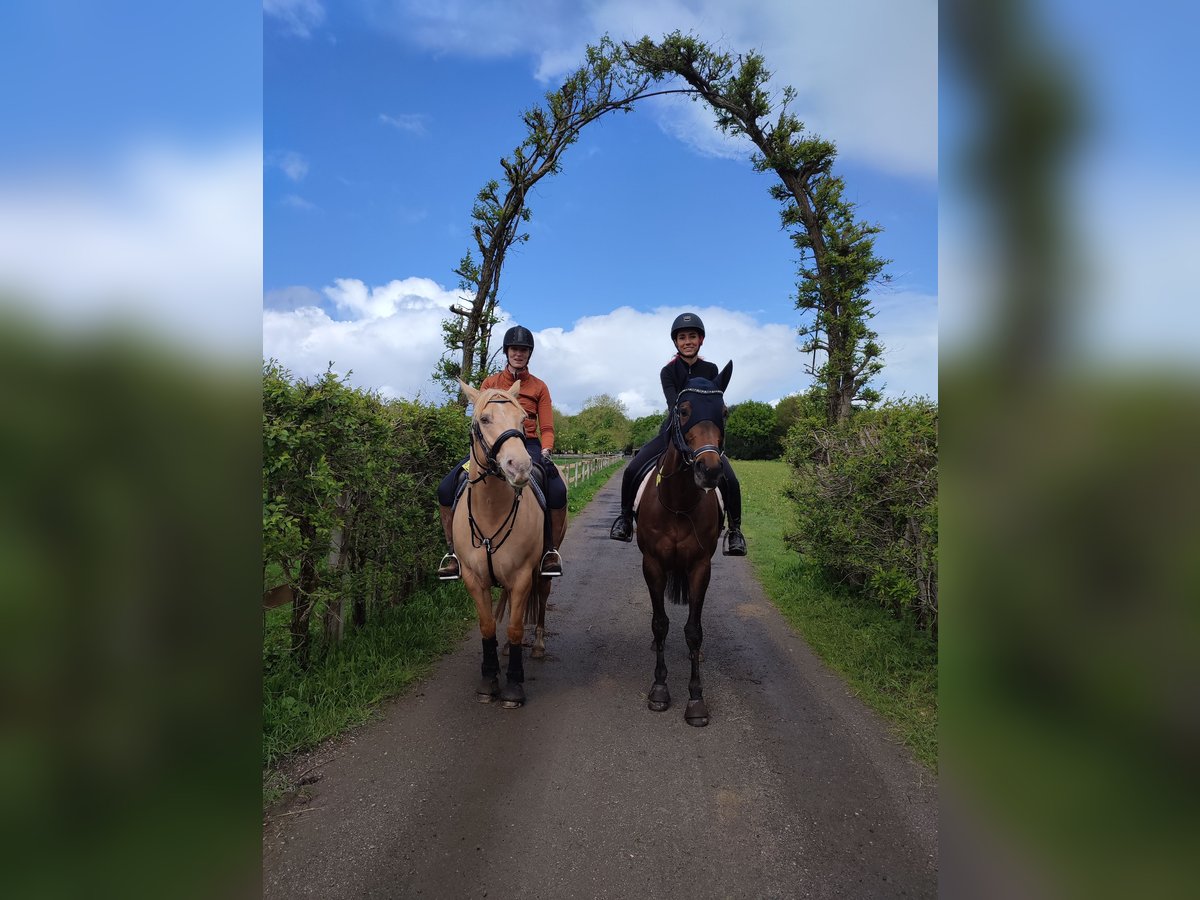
(518, 336)
(687, 322)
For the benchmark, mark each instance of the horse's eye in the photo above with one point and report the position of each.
(485, 420)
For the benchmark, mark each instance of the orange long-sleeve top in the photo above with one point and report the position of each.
(535, 400)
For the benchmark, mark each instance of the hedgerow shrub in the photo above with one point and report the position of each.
(349, 508)
(866, 494)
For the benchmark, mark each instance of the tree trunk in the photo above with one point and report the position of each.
(302, 604)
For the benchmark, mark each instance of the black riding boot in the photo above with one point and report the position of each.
(622, 526)
(735, 542)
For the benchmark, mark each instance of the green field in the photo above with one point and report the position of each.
(889, 665)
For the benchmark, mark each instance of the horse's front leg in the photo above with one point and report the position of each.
(659, 698)
(489, 684)
(512, 695)
(696, 712)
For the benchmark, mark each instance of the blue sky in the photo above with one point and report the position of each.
(382, 121)
(137, 173)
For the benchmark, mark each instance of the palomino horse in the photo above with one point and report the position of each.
(498, 536)
(678, 527)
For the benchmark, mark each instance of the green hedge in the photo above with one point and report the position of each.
(866, 492)
(341, 460)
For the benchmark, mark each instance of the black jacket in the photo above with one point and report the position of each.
(675, 374)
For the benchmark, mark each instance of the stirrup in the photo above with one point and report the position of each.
(735, 543)
(448, 569)
(622, 529)
(551, 564)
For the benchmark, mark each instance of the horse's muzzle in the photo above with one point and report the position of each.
(706, 476)
(516, 472)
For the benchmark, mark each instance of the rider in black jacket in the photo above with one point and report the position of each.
(687, 332)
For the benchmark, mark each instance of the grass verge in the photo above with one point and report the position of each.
(344, 684)
(581, 494)
(890, 665)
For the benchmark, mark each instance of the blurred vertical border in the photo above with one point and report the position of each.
(1070, 477)
(130, 519)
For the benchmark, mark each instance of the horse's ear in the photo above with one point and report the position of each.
(515, 390)
(472, 394)
(726, 374)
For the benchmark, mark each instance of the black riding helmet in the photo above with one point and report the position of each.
(518, 336)
(687, 322)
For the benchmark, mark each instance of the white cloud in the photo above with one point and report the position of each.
(165, 239)
(907, 325)
(866, 71)
(414, 123)
(292, 164)
(295, 201)
(299, 17)
(391, 337)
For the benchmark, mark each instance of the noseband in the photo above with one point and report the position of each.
(689, 455)
(490, 466)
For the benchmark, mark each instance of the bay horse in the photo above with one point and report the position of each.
(679, 526)
(498, 537)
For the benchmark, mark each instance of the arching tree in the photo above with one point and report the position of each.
(837, 251)
(603, 84)
(838, 264)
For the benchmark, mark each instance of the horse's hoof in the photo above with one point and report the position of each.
(513, 696)
(696, 713)
(487, 690)
(659, 698)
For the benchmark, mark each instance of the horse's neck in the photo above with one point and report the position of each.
(676, 484)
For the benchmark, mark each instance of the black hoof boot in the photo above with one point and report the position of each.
(487, 690)
(512, 695)
(659, 699)
(696, 713)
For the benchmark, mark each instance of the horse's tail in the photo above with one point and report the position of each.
(531, 605)
(677, 588)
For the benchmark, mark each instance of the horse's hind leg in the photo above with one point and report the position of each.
(659, 698)
(538, 608)
(501, 608)
(696, 712)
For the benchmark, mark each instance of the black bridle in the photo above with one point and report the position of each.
(489, 466)
(678, 431)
